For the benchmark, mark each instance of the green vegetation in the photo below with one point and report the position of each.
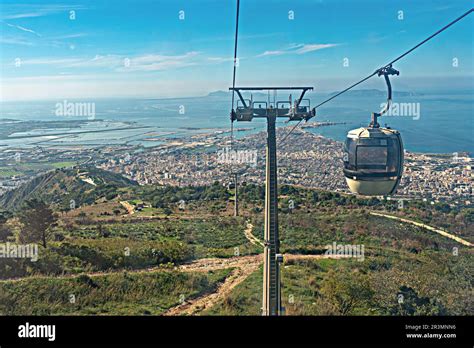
(308, 233)
(32, 167)
(36, 220)
(217, 236)
(246, 299)
(124, 293)
(6, 172)
(161, 197)
(430, 273)
(428, 284)
(85, 255)
(60, 186)
(64, 164)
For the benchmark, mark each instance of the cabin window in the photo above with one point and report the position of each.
(350, 151)
(371, 156)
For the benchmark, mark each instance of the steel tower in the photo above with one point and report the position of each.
(247, 110)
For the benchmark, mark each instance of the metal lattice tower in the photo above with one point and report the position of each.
(246, 111)
(271, 274)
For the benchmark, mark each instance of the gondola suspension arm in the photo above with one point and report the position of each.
(386, 72)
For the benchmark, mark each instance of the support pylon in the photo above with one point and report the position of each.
(271, 267)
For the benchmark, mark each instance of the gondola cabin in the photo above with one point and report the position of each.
(373, 161)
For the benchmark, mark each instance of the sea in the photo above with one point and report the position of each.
(428, 123)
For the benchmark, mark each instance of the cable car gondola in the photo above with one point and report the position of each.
(373, 156)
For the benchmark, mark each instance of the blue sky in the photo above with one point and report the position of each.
(141, 48)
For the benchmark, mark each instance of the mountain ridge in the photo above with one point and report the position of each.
(81, 185)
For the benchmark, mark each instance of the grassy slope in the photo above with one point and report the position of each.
(440, 281)
(396, 255)
(116, 294)
(216, 236)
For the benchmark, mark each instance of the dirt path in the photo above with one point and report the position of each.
(201, 265)
(433, 229)
(130, 208)
(211, 264)
(243, 266)
(246, 265)
(249, 235)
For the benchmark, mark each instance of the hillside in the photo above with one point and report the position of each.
(203, 260)
(59, 187)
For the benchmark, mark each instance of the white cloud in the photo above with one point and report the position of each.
(314, 47)
(63, 62)
(46, 78)
(223, 59)
(152, 58)
(99, 61)
(24, 15)
(147, 62)
(15, 41)
(157, 62)
(220, 59)
(18, 11)
(297, 49)
(273, 53)
(99, 86)
(157, 66)
(49, 41)
(19, 27)
(68, 36)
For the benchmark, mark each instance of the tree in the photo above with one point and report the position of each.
(346, 291)
(167, 211)
(102, 232)
(411, 303)
(36, 218)
(83, 216)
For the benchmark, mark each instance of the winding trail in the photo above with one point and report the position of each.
(244, 267)
(251, 238)
(427, 227)
(201, 265)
